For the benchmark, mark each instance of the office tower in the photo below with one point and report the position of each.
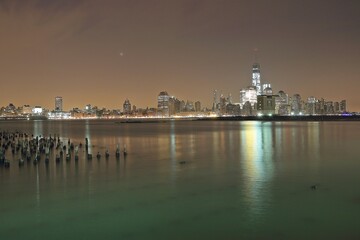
(266, 104)
(222, 104)
(256, 80)
(329, 107)
(296, 104)
(265, 85)
(310, 106)
(248, 95)
(163, 103)
(189, 106)
(127, 107)
(58, 104)
(88, 109)
(267, 91)
(197, 106)
(336, 107)
(215, 100)
(282, 106)
(343, 106)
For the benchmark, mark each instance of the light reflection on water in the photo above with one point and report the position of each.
(257, 160)
(238, 177)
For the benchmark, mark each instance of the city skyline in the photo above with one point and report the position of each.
(90, 52)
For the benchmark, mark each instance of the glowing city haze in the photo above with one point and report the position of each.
(103, 52)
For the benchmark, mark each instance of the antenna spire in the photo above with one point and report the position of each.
(256, 55)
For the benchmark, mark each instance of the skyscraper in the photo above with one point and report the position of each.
(343, 106)
(248, 95)
(256, 80)
(215, 100)
(163, 103)
(58, 104)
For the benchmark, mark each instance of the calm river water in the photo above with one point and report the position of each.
(241, 180)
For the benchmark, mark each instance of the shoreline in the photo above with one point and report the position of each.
(274, 118)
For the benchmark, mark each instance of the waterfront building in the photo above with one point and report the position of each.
(88, 108)
(222, 105)
(247, 109)
(127, 107)
(229, 99)
(296, 105)
(182, 106)
(163, 104)
(58, 104)
(197, 106)
(310, 106)
(266, 102)
(174, 106)
(336, 107)
(256, 79)
(248, 95)
(189, 107)
(37, 110)
(215, 100)
(233, 109)
(329, 107)
(282, 106)
(10, 109)
(26, 110)
(343, 106)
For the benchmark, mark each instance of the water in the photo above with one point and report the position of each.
(241, 180)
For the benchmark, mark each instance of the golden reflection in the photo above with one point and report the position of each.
(256, 154)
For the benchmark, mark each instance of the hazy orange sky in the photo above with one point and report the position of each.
(104, 51)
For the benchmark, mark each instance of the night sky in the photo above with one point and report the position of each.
(102, 52)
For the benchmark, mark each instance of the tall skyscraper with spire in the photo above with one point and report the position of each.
(256, 80)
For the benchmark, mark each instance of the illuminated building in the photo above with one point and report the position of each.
(163, 103)
(26, 110)
(343, 106)
(127, 107)
(58, 104)
(174, 106)
(215, 101)
(282, 106)
(248, 95)
(222, 104)
(296, 105)
(37, 110)
(189, 107)
(336, 107)
(310, 106)
(88, 108)
(256, 80)
(267, 91)
(265, 85)
(329, 107)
